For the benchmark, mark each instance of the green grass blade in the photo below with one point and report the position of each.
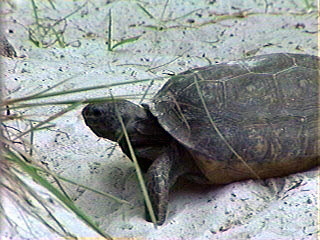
(139, 173)
(77, 90)
(128, 40)
(145, 11)
(110, 32)
(32, 172)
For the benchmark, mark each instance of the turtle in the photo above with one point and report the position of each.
(253, 118)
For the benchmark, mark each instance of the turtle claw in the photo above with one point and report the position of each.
(158, 222)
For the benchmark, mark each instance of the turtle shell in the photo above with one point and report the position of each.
(251, 118)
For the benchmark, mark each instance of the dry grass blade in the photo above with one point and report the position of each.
(216, 129)
(68, 109)
(138, 171)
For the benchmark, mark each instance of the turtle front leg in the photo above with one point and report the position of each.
(158, 178)
(161, 175)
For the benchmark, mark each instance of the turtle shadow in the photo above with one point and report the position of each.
(186, 193)
(184, 187)
(248, 196)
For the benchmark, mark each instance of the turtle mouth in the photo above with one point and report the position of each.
(91, 121)
(100, 129)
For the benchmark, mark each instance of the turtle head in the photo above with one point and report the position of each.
(103, 118)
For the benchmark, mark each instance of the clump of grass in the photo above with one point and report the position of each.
(17, 167)
(17, 162)
(46, 31)
(309, 5)
(112, 46)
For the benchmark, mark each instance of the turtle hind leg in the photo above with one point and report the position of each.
(162, 174)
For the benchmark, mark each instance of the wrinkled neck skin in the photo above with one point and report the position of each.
(148, 139)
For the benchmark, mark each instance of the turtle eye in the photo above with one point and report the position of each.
(96, 112)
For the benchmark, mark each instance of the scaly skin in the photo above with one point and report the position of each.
(159, 155)
(253, 118)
